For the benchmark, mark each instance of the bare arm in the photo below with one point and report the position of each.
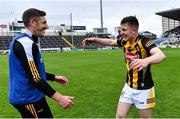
(103, 41)
(156, 57)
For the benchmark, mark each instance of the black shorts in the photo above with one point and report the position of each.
(39, 109)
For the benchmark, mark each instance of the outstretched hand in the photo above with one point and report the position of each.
(87, 41)
(61, 79)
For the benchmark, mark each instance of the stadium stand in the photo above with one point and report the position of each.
(77, 41)
(57, 38)
(172, 38)
(47, 43)
(54, 42)
(171, 28)
(5, 41)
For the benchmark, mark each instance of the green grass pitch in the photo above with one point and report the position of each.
(96, 79)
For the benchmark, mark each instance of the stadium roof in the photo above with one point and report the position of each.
(172, 14)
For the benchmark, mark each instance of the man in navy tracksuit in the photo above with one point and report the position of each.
(28, 79)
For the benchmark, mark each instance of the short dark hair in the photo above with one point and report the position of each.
(30, 14)
(131, 21)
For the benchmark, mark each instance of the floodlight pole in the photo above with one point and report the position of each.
(101, 12)
(71, 28)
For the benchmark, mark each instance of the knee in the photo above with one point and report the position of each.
(120, 116)
(143, 116)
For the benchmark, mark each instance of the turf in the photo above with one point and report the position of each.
(96, 79)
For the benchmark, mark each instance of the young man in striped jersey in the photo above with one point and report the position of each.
(140, 53)
(28, 79)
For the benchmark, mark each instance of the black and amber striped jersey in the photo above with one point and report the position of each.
(139, 49)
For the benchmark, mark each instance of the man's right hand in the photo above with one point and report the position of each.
(87, 41)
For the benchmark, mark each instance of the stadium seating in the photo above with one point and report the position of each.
(54, 42)
(4, 42)
(46, 42)
(170, 38)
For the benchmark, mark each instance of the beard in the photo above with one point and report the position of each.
(40, 32)
(131, 37)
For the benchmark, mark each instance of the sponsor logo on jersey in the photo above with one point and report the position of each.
(130, 56)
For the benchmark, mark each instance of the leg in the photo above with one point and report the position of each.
(125, 102)
(147, 99)
(123, 109)
(145, 113)
(42, 109)
(25, 113)
(39, 109)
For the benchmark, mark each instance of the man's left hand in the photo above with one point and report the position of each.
(61, 79)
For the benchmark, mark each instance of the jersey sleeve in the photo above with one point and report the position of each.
(120, 41)
(148, 44)
(26, 53)
(50, 76)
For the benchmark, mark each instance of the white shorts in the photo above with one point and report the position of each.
(142, 99)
